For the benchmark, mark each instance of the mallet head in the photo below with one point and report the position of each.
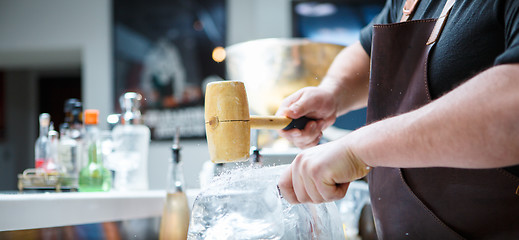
(227, 121)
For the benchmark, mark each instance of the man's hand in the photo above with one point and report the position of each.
(313, 102)
(321, 174)
(343, 89)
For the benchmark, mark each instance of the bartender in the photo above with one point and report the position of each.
(441, 148)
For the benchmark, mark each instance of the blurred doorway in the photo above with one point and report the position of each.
(24, 94)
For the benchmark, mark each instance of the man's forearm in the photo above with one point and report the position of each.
(348, 77)
(475, 125)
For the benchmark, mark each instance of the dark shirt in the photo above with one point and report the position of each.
(478, 34)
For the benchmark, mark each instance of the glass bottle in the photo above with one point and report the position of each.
(42, 145)
(52, 157)
(93, 177)
(175, 216)
(69, 150)
(131, 141)
(76, 125)
(67, 109)
(69, 154)
(77, 132)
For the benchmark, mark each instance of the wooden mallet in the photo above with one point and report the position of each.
(228, 123)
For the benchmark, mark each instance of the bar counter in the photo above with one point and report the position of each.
(20, 211)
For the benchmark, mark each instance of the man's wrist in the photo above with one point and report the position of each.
(360, 168)
(334, 87)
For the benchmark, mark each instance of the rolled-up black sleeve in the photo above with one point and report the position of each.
(511, 31)
(387, 15)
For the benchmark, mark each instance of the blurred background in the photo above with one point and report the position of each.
(96, 50)
(166, 50)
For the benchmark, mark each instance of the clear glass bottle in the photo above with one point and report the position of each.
(69, 150)
(131, 141)
(93, 177)
(42, 145)
(77, 132)
(52, 158)
(175, 216)
(69, 154)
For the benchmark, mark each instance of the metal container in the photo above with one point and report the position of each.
(274, 68)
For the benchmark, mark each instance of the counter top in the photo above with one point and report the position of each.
(42, 210)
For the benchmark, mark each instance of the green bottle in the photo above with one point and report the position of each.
(93, 177)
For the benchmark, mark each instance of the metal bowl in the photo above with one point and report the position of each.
(274, 68)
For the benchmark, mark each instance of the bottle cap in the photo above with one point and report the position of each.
(44, 119)
(130, 101)
(91, 116)
(130, 104)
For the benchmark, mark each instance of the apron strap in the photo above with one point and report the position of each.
(440, 23)
(408, 10)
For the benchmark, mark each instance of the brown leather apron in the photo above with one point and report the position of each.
(429, 203)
